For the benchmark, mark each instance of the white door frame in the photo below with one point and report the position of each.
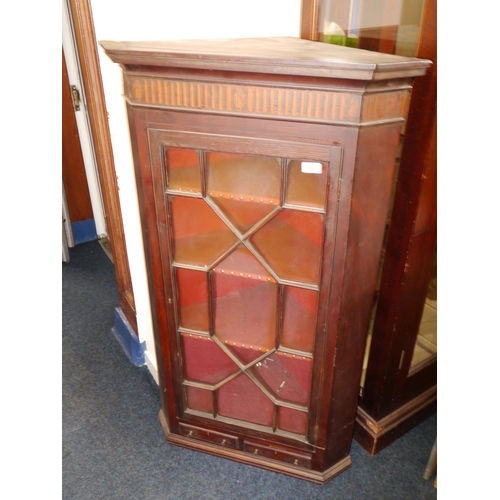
(82, 121)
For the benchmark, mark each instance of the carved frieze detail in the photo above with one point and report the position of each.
(288, 103)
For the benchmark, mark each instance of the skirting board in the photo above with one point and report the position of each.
(127, 338)
(84, 231)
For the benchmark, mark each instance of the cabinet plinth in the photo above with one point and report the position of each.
(264, 169)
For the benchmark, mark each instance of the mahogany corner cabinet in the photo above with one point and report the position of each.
(264, 170)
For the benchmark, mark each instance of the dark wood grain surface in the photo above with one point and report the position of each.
(275, 55)
(197, 95)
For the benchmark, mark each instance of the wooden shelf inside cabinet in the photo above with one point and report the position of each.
(264, 169)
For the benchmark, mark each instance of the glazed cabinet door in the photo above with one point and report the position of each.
(242, 228)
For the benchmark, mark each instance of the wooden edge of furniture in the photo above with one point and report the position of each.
(379, 424)
(404, 274)
(81, 14)
(309, 16)
(257, 461)
(375, 435)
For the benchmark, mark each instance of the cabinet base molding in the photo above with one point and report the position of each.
(374, 435)
(197, 439)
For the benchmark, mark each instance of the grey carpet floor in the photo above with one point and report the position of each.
(113, 447)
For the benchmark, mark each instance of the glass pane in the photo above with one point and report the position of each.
(183, 170)
(288, 377)
(245, 188)
(426, 343)
(299, 322)
(389, 26)
(246, 301)
(291, 243)
(199, 399)
(193, 299)
(305, 188)
(292, 420)
(200, 235)
(243, 400)
(205, 361)
(238, 298)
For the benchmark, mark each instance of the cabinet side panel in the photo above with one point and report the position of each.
(145, 188)
(372, 182)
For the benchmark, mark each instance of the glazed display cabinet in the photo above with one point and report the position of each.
(264, 169)
(399, 382)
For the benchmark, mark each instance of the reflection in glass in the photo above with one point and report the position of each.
(426, 342)
(389, 26)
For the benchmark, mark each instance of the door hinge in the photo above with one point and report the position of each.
(339, 188)
(75, 95)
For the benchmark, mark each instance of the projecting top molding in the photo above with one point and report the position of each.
(275, 55)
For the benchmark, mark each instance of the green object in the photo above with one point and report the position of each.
(346, 41)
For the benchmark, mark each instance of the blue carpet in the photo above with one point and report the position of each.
(113, 444)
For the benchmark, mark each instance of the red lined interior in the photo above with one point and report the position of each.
(243, 400)
(204, 361)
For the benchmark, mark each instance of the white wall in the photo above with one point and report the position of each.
(169, 20)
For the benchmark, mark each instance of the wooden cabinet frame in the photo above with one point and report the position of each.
(288, 100)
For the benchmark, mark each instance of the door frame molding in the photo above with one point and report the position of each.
(87, 53)
(309, 18)
(82, 123)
